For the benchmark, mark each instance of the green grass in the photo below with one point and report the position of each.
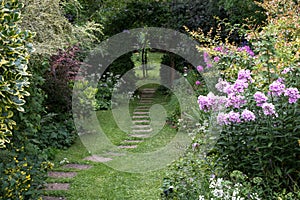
(103, 182)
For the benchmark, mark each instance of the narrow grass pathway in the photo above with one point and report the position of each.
(79, 175)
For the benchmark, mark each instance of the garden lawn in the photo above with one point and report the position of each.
(103, 182)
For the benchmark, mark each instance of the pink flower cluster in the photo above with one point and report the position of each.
(211, 102)
(293, 94)
(235, 117)
(277, 87)
(235, 99)
(246, 49)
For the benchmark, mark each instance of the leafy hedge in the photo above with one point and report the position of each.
(15, 48)
(22, 164)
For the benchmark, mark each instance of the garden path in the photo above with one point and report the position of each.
(141, 129)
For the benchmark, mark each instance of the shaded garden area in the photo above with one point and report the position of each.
(241, 116)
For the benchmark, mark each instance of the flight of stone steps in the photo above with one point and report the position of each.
(141, 128)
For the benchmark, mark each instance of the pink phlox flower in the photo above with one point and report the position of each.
(248, 115)
(235, 100)
(260, 98)
(229, 89)
(240, 85)
(200, 68)
(197, 82)
(277, 87)
(205, 57)
(222, 119)
(205, 103)
(245, 75)
(217, 59)
(293, 94)
(246, 49)
(219, 48)
(234, 117)
(221, 85)
(211, 102)
(286, 70)
(268, 109)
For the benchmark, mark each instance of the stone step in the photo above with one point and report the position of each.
(147, 97)
(127, 146)
(133, 141)
(142, 130)
(141, 113)
(62, 174)
(57, 186)
(145, 101)
(140, 121)
(140, 135)
(147, 90)
(140, 116)
(142, 108)
(141, 126)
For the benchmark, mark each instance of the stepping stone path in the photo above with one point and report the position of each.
(59, 175)
(141, 130)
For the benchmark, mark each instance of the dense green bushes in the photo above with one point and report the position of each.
(22, 165)
(15, 49)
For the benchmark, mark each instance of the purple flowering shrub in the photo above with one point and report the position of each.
(261, 127)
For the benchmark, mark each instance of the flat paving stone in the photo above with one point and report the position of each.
(142, 107)
(141, 113)
(62, 174)
(140, 116)
(53, 198)
(141, 126)
(96, 158)
(127, 146)
(77, 166)
(133, 141)
(142, 130)
(148, 90)
(141, 110)
(57, 186)
(140, 121)
(145, 101)
(140, 135)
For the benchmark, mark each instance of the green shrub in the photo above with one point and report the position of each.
(52, 28)
(22, 171)
(111, 79)
(15, 49)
